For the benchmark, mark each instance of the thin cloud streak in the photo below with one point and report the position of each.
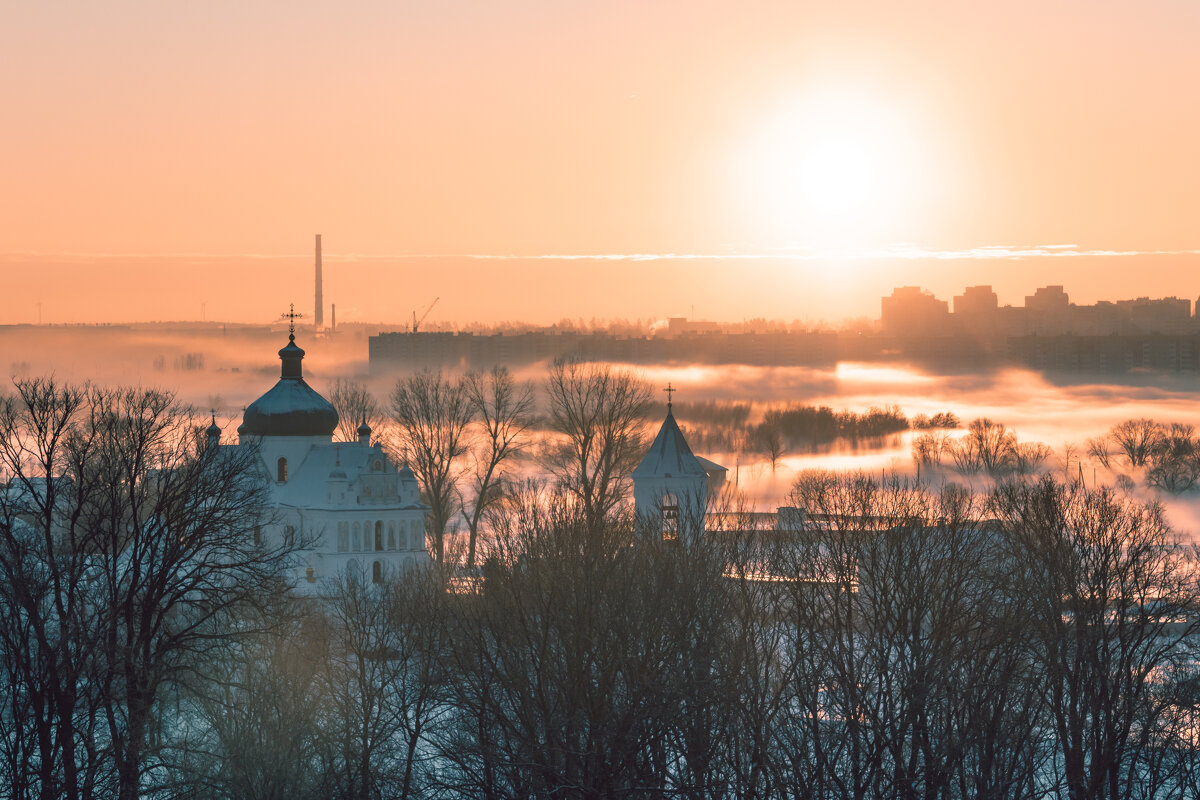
(896, 253)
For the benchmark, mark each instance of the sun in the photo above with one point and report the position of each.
(835, 176)
(831, 168)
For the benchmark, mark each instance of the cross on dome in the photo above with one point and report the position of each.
(291, 316)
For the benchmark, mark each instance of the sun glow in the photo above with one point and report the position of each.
(836, 168)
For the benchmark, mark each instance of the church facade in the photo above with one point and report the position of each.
(345, 504)
(672, 485)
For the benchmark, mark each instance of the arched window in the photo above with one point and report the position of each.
(391, 536)
(289, 535)
(379, 535)
(670, 516)
(310, 575)
(352, 568)
(377, 465)
(356, 540)
(343, 542)
(258, 536)
(281, 468)
(377, 573)
(366, 491)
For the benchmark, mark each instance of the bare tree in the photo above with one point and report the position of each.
(432, 414)
(928, 448)
(1137, 438)
(993, 443)
(1110, 603)
(600, 415)
(382, 682)
(54, 743)
(1069, 452)
(1028, 457)
(355, 405)
(586, 661)
(905, 679)
(146, 555)
(1174, 462)
(1100, 448)
(503, 412)
(767, 438)
(257, 720)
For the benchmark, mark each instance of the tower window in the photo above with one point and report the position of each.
(281, 470)
(377, 573)
(670, 517)
(378, 535)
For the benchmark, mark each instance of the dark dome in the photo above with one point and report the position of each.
(364, 429)
(291, 407)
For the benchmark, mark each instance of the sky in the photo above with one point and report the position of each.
(525, 160)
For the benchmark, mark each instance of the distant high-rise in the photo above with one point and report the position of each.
(319, 317)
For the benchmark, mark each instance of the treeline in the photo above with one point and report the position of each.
(890, 641)
(726, 427)
(1168, 454)
(987, 447)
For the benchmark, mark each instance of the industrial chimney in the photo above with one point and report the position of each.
(318, 317)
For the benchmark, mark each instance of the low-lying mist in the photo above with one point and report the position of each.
(225, 369)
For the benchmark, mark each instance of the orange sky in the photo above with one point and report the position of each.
(136, 133)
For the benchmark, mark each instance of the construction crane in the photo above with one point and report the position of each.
(428, 308)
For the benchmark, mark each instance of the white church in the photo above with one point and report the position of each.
(358, 510)
(671, 485)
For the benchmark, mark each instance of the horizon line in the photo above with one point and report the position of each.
(899, 252)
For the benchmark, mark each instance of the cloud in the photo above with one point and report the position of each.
(898, 252)
(902, 252)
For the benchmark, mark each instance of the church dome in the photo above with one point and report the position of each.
(291, 407)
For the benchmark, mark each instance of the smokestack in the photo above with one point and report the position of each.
(318, 317)
(332, 316)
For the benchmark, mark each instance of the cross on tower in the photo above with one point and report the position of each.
(291, 316)
(669, 390)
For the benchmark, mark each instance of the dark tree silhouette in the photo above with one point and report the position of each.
(126, 550)
(600, 415)
(355, 405)
(432, 413)
(503, 413)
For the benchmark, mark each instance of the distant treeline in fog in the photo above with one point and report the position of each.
(728, 427)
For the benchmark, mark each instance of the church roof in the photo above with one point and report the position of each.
(669, 456)
(291, 407)
(309, 477)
